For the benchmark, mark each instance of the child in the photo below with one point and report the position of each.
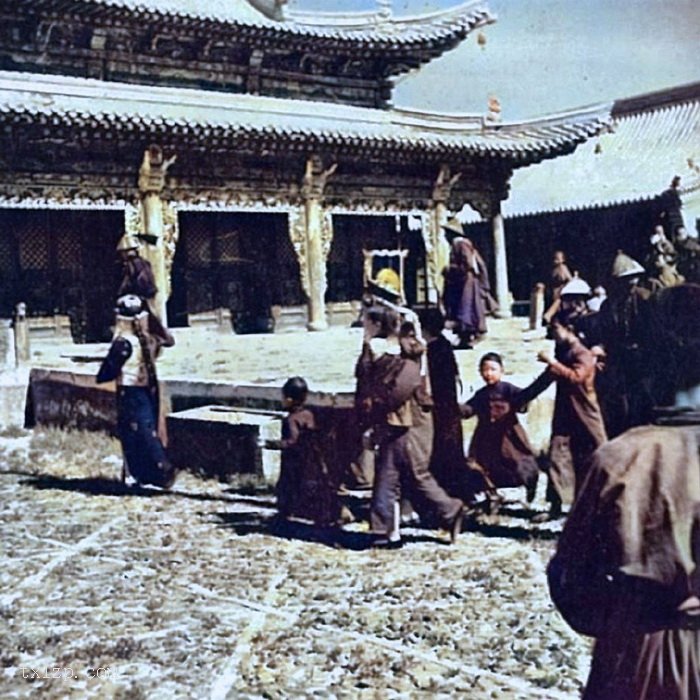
(303, 488)
(500, 445)
(577, 419)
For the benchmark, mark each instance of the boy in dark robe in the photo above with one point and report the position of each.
(627, 566)
(304, 488)
(500, 444)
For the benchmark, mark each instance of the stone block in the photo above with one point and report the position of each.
(7, 344)
(220, 441)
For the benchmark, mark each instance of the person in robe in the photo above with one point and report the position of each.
(138, 280)
(467, 291)
(131, 362)
(560, 276)
(391, 399)
(577, 421)
(500, 444)
(669, 207)
(447, 463)
(304, 487)
(627, 566)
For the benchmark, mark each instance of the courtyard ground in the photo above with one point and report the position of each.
(107, 592)
(191, 594)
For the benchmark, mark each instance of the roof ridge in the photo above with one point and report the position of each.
(658, 99)
(364, 19)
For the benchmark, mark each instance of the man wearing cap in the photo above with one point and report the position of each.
(620, 330)
(138, 279)
(467, 292)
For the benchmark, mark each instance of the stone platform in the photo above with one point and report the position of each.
(247, 372)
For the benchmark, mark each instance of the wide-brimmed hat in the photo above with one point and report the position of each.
(576, 287)
(625, 266)
(128, 242)
(386, 284)
(453, 227)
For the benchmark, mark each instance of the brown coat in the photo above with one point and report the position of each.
(626, 565)
(577, 418)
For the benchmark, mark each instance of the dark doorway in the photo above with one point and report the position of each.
(61, 262)
(238, 261)
(352, 234)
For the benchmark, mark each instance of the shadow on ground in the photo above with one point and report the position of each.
(338, 538)
(100, 486)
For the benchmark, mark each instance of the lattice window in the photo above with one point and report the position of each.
(198, 243)
(228, 246)
(7, 253)
(34, 249)
(68, 249)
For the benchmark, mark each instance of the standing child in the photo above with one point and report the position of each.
(303, 488)
(500, 445)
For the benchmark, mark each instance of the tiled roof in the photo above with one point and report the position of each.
(166, 113)
(239, 11)
(653, 138)
(366, 28)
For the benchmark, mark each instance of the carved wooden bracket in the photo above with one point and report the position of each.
(153, 170)
(443, 184)
(315, 178)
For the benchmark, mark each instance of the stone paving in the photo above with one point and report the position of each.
(108, 592)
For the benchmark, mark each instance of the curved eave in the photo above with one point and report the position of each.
(657, 138)
(188, 117)
(435, 34)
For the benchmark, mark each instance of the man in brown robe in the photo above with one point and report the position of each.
(577, 422)
(390, 397)
(626, 567)
(447, 463)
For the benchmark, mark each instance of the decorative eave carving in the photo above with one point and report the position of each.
(315, 178)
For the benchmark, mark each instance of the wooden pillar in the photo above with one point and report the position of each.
(439, 253)
(503, 296)
(313, 186)
(316, 266)
(151, 183)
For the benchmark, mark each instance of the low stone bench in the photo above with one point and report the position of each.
(220, 441)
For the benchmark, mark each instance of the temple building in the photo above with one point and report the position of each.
(604, 196)
(253, 149)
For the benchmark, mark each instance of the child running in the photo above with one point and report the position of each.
(500, 448)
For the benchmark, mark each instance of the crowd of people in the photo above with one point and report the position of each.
(623, 450)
